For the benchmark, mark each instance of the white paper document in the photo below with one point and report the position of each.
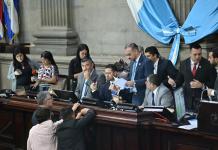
(121, 83)
(193, 124)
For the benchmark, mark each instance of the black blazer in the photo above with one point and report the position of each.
(205, 74)
(166, 68)
(103, 93)
(71, 133)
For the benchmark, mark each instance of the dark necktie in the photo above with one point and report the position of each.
(194, 70)
(153, 104)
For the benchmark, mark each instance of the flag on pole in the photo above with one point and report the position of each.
(1, 19)
(11, 18)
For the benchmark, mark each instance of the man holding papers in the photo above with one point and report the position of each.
(109, 90)
(140, 68)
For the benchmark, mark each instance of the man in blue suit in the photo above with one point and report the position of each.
(140, 68)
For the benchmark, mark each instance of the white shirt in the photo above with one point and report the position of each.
(193, 64)
(155, 93)
(155, 66)
(137, 60)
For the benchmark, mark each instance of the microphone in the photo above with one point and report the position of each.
(210, 99)
(203, 93)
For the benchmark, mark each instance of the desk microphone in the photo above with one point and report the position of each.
(210, 99)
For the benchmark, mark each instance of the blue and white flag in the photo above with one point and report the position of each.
(156, 18)
(11, 18)
(1, 20)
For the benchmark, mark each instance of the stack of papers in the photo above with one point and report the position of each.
(121, 83)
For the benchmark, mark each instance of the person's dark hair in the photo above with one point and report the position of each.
(66, 113)
(80, 48)
(133, 46)
(153, 78)
(18, 65)
(121, 65)
(48, 55)
(87, 59)
(195, 46)
(152, 50)
(111, 66)
(214, 52)
(43, 114)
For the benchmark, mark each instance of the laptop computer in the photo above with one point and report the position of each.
(65, 96)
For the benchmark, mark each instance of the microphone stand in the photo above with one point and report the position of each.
(210, 99)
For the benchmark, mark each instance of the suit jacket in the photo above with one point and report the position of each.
(100, 78)
(164, 97)
(71, 133)
(143, 70)
(216, 84)
(205, 74)
(104, 94)
(216, 94)
(166, 68)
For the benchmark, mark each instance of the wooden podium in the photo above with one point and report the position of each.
(111, 130)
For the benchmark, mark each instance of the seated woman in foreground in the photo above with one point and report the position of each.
(48, 71)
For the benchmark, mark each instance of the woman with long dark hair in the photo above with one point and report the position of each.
(20, 70)
(48, 71)
(75, 64)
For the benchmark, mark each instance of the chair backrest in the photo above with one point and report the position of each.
(62, 83)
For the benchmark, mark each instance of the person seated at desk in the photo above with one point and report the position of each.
(108, 91)
(42, 136)
(156, 93)
(75, 67)
(20, 70)
(44, 99)
(86, 78)
(71, 132)
(48, 71)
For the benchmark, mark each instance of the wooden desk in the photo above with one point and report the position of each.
(113, 130)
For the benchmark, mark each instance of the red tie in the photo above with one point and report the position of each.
(194, 70)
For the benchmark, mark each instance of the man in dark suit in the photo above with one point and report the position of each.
(107, 91)
(164, 68)
(198, 74)
(140, 68)
(71, 132)
(88, 76)
(213, 58)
